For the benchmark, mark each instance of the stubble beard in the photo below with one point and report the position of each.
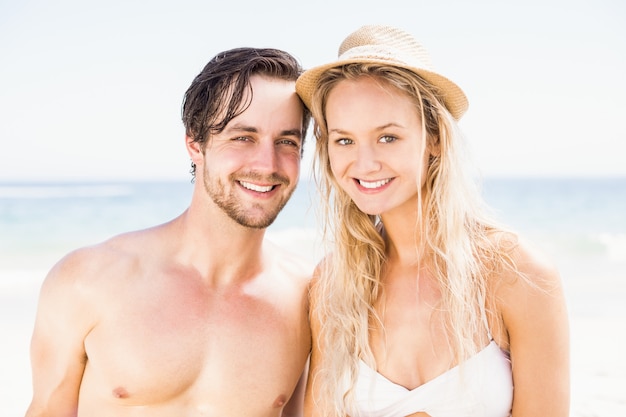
(243, 213)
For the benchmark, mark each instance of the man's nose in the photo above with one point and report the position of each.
(265, 158)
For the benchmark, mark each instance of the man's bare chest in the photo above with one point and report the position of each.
(155, 348)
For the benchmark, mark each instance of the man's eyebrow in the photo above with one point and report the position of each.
(252, 129)
(242, 128)
(292, 132)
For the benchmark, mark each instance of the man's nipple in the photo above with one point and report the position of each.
(280, 401)
(120, 392)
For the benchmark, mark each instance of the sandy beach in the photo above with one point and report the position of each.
(596, 292)
(18, 299)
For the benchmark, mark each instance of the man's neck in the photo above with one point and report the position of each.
(220, 249)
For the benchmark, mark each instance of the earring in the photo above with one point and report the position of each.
(192, 171)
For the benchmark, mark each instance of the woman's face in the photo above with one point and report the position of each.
(375, 145)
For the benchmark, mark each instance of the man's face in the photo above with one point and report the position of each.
(252, 167)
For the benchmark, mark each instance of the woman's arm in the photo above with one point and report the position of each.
(535, 317)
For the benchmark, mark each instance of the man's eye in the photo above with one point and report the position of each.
(289, 142)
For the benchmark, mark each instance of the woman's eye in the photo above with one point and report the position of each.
(343, 141)
(387, 139)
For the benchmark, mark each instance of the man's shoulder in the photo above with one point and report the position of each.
(113, 258)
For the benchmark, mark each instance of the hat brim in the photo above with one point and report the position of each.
(454, 98)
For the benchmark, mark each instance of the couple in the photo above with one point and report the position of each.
(424, 306)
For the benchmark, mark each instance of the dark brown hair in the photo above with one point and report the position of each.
(216, 95)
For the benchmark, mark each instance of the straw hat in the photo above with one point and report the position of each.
(389, 46)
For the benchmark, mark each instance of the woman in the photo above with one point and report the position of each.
(424, 306)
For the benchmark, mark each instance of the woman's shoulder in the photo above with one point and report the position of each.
(526, 260)
(530, 278)
(514, 256)
(526, 290)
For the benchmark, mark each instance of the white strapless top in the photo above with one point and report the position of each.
(480, 387)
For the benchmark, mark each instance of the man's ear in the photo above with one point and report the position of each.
(194, 149)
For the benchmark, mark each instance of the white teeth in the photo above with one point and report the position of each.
(375, 184)
(258, 188)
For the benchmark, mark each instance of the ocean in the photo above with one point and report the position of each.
(571, 218)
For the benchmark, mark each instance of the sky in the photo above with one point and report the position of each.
(93, 90)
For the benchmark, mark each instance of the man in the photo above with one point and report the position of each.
(198, 316)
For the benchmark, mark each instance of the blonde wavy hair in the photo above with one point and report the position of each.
(454, 236)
